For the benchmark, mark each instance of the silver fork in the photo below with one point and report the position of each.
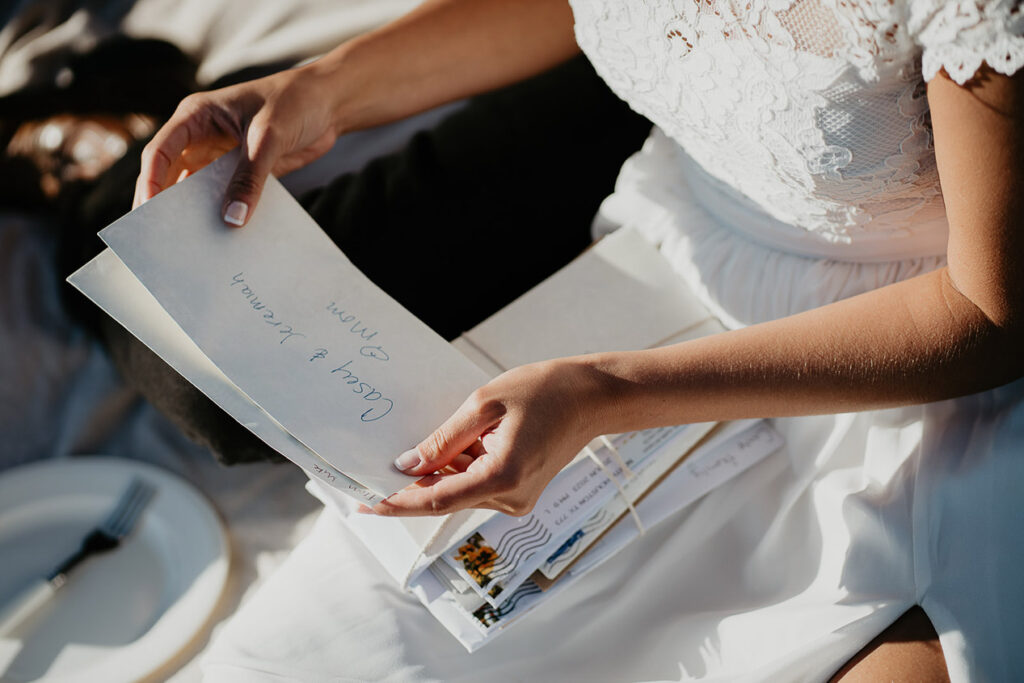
(107, 536)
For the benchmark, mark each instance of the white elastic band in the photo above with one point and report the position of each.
(615, 454)
(629, 473)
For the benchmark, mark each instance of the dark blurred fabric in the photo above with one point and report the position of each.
(120, 87)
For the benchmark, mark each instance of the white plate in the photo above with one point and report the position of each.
(122, 615)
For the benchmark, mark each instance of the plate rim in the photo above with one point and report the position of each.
(139, 659)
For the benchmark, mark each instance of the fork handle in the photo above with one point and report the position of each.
(25, 604)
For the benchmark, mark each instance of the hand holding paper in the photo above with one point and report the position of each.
(520, 430)
(280, 122)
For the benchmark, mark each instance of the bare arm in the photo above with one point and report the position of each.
(948, 333)
(442, 51)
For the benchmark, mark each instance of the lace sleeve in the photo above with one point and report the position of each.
(958, 35)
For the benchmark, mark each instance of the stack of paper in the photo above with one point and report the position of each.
(279, 329)
(480, 586)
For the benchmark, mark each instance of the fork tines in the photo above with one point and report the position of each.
(133, 501)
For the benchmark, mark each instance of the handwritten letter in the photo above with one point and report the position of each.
(295, 325)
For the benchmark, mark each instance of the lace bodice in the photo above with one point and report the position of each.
(810, 112)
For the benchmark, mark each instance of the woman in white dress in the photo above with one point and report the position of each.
(793, 181)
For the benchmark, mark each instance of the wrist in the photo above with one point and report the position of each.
(338, 81)
(632, 390)
(606, 397)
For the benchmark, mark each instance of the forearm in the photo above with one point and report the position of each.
(443, 51)
(912, 342)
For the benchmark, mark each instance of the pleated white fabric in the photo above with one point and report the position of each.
(783, 574)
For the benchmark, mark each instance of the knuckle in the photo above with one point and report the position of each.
(435, 444)
(263, 135)
(150, 154)
(482, 403)
(441, 503)
(477, 400)
(266, 137)
(150, 151)
(245, 182)
(191, 105)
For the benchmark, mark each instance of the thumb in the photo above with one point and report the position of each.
(258, 155)
(451, 439)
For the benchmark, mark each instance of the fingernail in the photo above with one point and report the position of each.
(236, 212)
(408, 460)
(365, 510)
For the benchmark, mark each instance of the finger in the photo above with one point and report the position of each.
(137, 200)
(476, 449)
(438, 494)
(259, 154)
(461, 462)
(159, 156)
(458, 433)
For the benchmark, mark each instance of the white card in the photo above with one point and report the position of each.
(619, 295)
(112, 287)
(294, 324)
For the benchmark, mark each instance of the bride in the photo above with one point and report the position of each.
(841, 184)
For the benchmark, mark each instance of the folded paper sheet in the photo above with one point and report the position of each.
(295, 325)
(112, 287)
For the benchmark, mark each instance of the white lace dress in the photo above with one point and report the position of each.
(792, 166)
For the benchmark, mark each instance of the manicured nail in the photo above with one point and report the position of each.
(365, 510)
(408, 460)
(236, 212)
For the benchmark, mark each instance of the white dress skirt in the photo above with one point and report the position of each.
(795, 169)
(784, 573)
